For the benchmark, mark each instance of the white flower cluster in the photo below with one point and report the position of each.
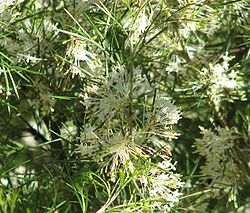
(221, 78)
(162, 185)
(124, 123)
(29, 39)
(159, 122)
(222, 170)
(223, 81)
(175, 65)
(4, 4)
(221, 163)
(118, 98)
(82, 60)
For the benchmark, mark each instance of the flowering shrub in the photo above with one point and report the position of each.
(124, 106)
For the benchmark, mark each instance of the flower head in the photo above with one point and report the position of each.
(114, 95)
(217, 148)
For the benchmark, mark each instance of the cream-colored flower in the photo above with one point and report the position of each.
(163, 184)
(221, 164)
(116, 92)
(118, 150)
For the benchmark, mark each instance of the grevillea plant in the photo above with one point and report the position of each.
(124, 106)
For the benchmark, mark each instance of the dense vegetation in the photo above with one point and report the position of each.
(124, 106)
